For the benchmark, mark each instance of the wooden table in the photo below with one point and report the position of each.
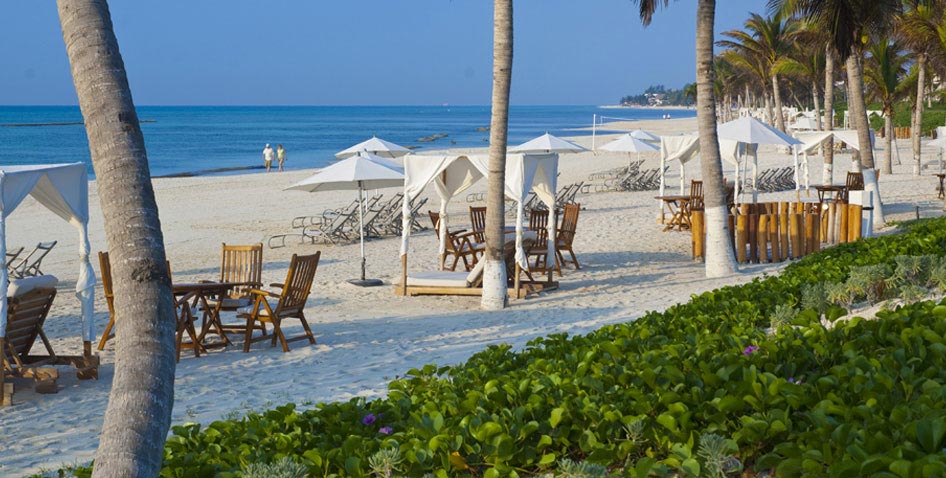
(191, 295)
(678, 208)
(832, 191)
(940, 193)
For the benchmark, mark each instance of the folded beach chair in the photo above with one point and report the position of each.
(29, 265)
(12, 254)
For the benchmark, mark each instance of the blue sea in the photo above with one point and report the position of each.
(196, 139)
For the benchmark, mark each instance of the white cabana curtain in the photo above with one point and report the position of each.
(452, 174)
(64, 190)
(686, 147)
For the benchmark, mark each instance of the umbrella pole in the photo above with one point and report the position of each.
(363, 282)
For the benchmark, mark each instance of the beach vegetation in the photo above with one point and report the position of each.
(705, 388)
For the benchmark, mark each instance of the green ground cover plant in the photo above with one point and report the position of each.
(712, 387)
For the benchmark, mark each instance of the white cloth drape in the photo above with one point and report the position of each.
(64, 190)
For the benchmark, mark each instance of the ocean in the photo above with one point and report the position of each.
(198, 139)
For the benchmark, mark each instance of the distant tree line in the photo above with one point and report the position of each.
(659, 95)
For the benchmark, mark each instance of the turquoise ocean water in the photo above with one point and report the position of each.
(190, 139)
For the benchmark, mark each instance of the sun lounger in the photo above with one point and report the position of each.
(29, 265)
(12, 254)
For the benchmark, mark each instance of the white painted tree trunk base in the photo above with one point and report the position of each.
(495, 293)
(720, 260)
(870, 185)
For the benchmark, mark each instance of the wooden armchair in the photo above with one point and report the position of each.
(243, 264)
(538, 249)
(696, 196)
(566, 235)
(105, 269)
(853, 182)
(458, 245)
(290, 304)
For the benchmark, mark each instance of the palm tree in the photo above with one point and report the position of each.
(848, 23)
(919, 27)
(770, 39)
(752, 66)
(720, 260)
(883, 76)
(494, 273)
(142, 395)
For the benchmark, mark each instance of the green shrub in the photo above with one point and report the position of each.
(283, 468)
(863, 398)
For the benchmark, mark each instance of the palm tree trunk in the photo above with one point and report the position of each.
(777, 98)
(889, 139)
(495, 295)
(142, 395)
(859, 119)
(720, 260)
(769, 117)
(917, 130)
(815, 99)
(828, 173)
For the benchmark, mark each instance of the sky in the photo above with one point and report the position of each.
(363, 52)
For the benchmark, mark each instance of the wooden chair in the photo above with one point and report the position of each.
(478, 223)
(566, 235)
(696, 196)
(244, 264)
(290, 304)
(458, 245)
(105, 269)
(538, 222)
(12, 254)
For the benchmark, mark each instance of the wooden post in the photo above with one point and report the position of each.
(816, 245)
(843, 230)
(404, 274)
(763, 238)
(854, 221)
(773, 237)
(753, 234)
(811, 228)
(742, 234)
(698, 234)
(793, 225)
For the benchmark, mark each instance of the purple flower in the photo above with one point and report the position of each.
(793, 380)
(369, 419)
(386, 430)
(749, 350)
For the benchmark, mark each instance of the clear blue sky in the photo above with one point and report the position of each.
(362, 52)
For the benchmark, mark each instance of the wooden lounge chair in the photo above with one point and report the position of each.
(566, 235)
(29, 265)
(26, 315)
(290, 304)
(458, 245)
(464, 283)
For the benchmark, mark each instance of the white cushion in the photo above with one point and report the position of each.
(438, 279)
(19, 287)
(475, 273)
(230, 303)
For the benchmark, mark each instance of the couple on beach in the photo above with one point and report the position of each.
(268, 154)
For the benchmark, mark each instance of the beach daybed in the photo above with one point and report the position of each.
(454, 174)
(63, 189)
(463, 283)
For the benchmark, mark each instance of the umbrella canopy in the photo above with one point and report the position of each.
(628, 143)
(643, 135)
(356, 171)
(752, 131)
(546, 144)
(376, 146)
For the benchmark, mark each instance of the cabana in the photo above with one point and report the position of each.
(684, 148)
(814, 140)
(64, 190)
(453, 174)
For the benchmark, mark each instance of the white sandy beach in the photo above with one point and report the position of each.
(368, 336)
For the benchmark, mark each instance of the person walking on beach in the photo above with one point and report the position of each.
(268, 156)
(280, 155)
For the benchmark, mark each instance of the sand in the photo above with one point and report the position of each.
(366, 336)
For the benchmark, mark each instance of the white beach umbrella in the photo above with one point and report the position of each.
(627, 143)
(749, 130)
(376, 146)
(357, 172)
(644, 135)
(547, 144)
